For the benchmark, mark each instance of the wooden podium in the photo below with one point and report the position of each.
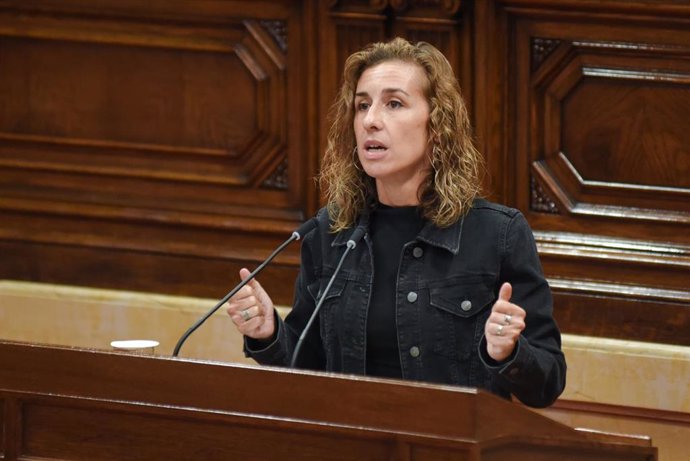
(76, 404)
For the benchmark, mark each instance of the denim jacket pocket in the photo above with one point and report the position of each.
(317, 288)
(463, 300)
(460, 311)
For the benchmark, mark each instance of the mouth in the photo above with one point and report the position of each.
(374, 149)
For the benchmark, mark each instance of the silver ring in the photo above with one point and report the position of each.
(507, 319)
(245, 315)
(499, 330)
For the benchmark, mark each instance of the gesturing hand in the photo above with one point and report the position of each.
(251, 310)
(504, 325)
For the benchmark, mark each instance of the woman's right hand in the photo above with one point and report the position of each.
(251, 310)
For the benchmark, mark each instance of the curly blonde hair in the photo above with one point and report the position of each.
(454, 179)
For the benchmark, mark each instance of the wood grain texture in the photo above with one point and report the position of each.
(162, 146)
(160, 130)
(83, 404)
(593, 98)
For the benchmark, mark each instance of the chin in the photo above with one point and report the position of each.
(373, 172)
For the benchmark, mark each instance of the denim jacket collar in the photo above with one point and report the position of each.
(447, 238)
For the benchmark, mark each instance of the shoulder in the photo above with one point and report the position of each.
(484, 209)
(323, 224)
(323, 218)
(322, 234)
(489, 218)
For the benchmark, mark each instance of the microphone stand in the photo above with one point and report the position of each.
(351, 244)
(296, 235)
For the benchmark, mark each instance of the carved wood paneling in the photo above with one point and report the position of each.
(123, 120)
(541, 49)
(161, 147)
(618, 134)
(598, 108)
(163, 112)
(540, 200)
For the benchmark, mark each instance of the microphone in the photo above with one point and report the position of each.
(356, 236)
(300, 232)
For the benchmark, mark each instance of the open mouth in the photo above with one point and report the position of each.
(374, 147)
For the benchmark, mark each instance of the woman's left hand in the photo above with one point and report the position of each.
(504, 325)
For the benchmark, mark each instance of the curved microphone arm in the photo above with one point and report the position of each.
(351, 244)
(302, 230)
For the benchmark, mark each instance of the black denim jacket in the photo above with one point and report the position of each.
(448, 281)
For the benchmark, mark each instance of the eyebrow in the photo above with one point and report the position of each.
(385, 90)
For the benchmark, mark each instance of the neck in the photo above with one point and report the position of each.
(404, 194)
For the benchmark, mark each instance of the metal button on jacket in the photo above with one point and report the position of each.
(417, 252)
(414, 351)
(412, 296)
(466, 305)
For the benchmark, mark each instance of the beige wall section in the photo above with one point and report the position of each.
(92, 318)
(600, 371)
(647, 386)
(628, 373)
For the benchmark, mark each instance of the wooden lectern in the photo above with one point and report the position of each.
(76, 404)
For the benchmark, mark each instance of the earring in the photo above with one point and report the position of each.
(355, 159)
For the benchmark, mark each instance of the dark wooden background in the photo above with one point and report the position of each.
(160, 146)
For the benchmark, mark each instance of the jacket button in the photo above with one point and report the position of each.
(414, 351)
(417, 252)
(466, 305)
(412, 296)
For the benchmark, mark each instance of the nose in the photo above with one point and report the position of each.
(372, 118)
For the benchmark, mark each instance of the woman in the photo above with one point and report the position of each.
(445, 287)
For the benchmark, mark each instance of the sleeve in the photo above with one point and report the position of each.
(535, 372)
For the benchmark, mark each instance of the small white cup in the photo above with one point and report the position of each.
(136, 346)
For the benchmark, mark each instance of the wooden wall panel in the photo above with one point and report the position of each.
(595, 105)
(135, 132)
(161, 146)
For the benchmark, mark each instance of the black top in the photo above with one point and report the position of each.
(390, 229)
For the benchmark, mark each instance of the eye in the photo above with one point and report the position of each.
(360, 106)
(394, 104)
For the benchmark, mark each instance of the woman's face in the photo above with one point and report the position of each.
(391, 126)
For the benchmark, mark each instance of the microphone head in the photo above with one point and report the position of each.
(305, 228)
(356, 236)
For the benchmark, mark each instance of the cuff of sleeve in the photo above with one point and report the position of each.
(267, 350)
(508, 368)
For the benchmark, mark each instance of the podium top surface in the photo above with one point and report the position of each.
(266, 393)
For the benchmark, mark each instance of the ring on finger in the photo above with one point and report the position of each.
(507, 319)
(499, 330)
(245, 314)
